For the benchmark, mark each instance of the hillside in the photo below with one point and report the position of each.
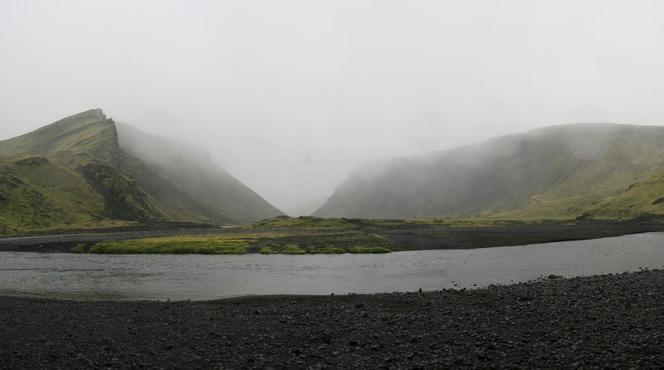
(588, 170)
(75, 174)
(193, 171)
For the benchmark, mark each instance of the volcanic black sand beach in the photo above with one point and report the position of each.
(612, 321)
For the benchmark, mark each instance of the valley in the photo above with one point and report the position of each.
(331, 184)
(76, 174)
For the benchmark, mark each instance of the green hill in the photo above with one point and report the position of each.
(75, 174)
(559, 172)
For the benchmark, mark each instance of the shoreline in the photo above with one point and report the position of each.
(614, 320)
(401, 237)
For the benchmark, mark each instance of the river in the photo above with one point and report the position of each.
(203, 277)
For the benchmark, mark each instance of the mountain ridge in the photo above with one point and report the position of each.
(74, 173)
(561, 171)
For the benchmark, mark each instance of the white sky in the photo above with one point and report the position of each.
(290, 96)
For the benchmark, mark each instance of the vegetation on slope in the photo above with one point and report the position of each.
(73, 174)
(560, 172)
(85, 133)
(124, 199)
(642, 199)
(36, 194)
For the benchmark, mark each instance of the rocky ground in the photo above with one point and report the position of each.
(421, 237)
(65, 242)
(614, 321)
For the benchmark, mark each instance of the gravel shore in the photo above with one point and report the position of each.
(614, 321)
(64, 242)
(401, 236)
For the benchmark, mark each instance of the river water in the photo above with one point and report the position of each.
(201, 277)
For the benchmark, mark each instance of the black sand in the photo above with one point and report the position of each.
(399, 237)
(613, 321)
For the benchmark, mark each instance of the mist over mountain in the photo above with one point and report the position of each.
(588, 170)
(192, 170)
(88, 171)
(78, 173)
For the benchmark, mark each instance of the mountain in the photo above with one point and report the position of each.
(192, 170)
(76, 173)
(558, 172)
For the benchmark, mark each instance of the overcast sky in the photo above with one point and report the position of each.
(290, 96)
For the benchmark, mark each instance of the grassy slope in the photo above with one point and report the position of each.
(610, 187)
(74, 134)
(48, 196)
(73, 174)
(559, 172)
(641, 199)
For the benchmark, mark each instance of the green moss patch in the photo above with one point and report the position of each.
(292, 249)
(177, 245)
(266, 250)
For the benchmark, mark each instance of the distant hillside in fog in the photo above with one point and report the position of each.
(589, 170)
(192, 171)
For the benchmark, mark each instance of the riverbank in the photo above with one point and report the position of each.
(310, 235)
(589, 322)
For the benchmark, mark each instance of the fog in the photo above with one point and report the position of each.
(291, 96)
